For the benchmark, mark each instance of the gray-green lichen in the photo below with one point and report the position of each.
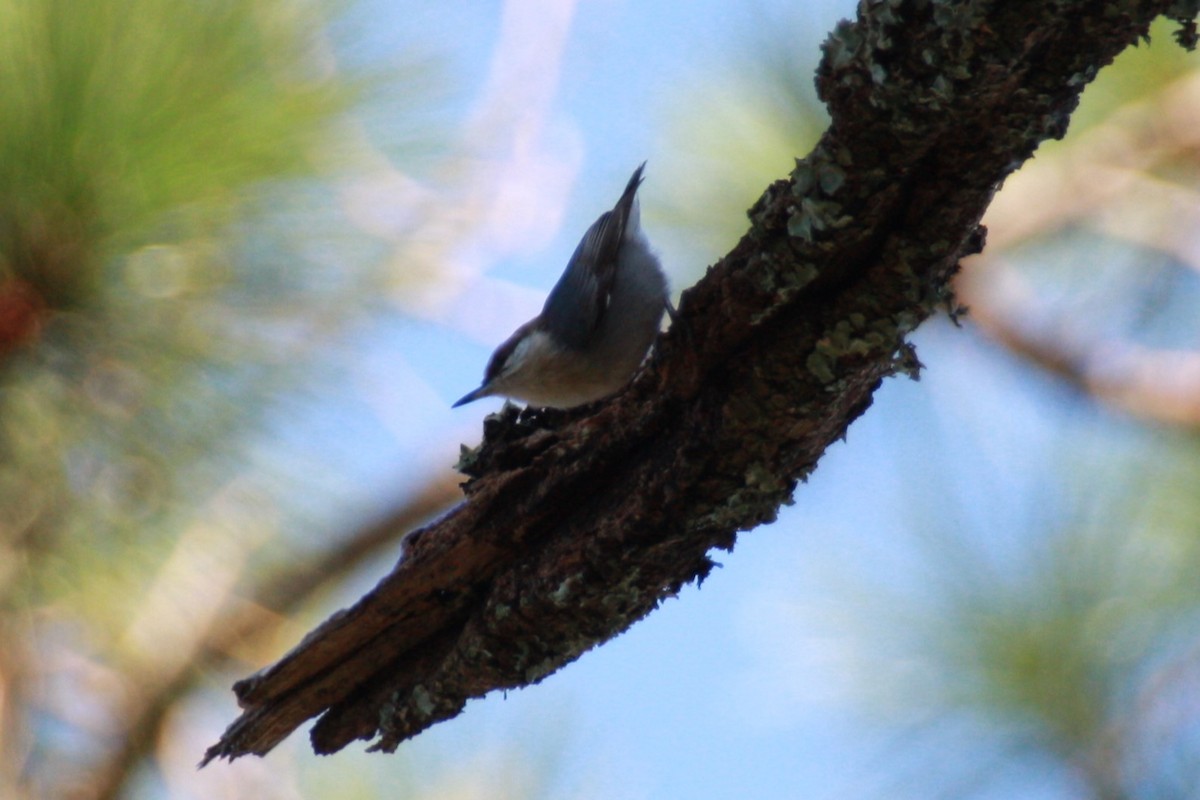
(422, 701)
(467, 458)
(562, 593)
(815, 181)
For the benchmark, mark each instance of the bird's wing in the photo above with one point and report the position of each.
(577, 303)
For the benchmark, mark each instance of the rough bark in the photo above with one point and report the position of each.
(578, 524)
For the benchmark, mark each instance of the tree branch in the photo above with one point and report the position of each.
(578, 524)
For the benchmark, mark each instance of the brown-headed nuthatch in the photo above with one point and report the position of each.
(597, 324)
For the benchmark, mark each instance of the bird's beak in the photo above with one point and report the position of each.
(470, 397)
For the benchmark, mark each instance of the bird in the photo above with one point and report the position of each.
(598, 321)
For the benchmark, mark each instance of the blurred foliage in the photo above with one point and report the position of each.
(143, 320)
(1039, 643)
(1082, 642)
(731, 136)
(117, 113)
(171, 258)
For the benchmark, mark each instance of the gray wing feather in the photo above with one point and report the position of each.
(577, 303)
